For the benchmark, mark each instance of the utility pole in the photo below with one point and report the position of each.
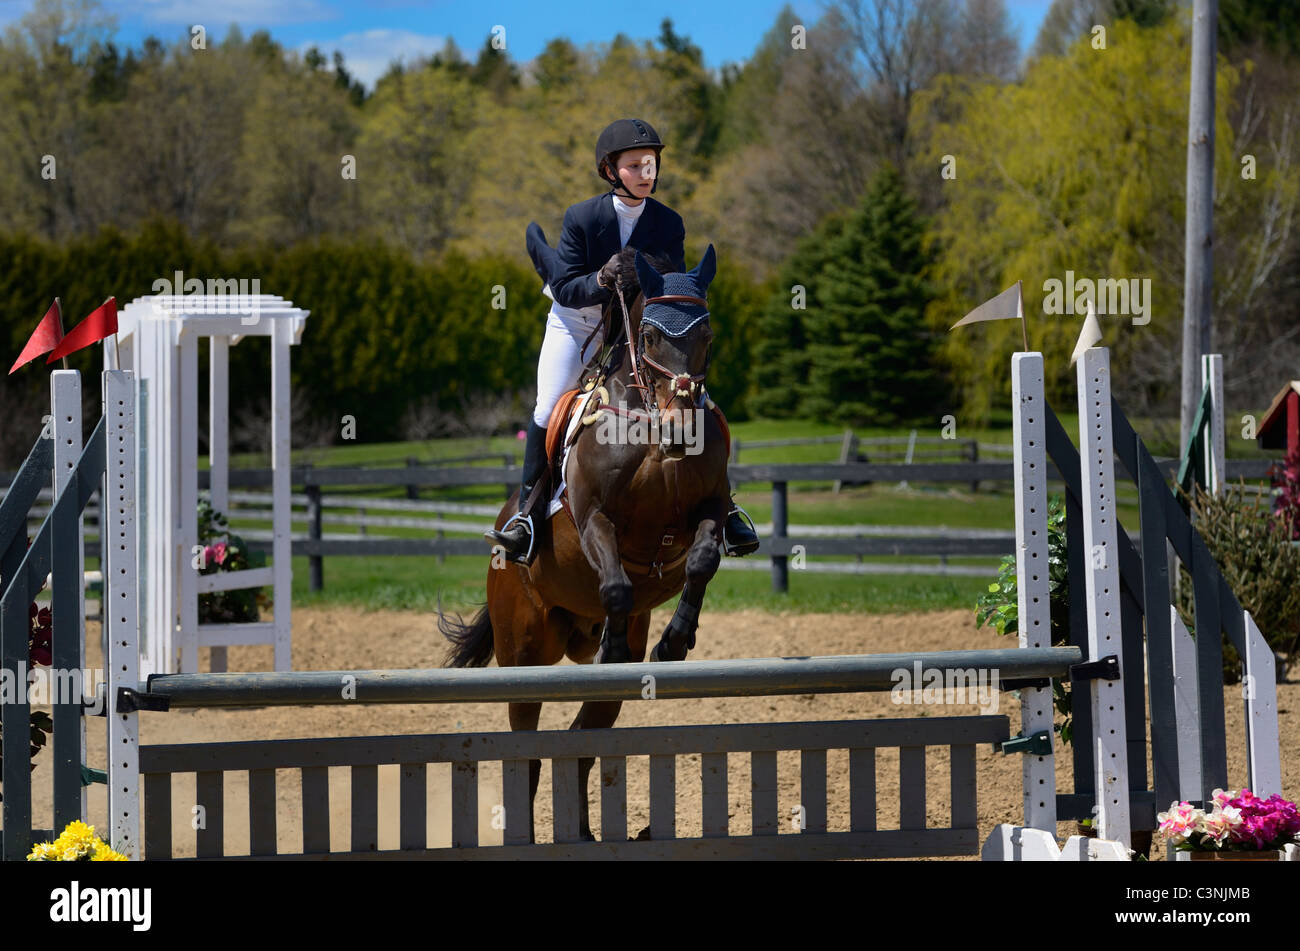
(1198, 275)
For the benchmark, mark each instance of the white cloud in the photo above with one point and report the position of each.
(252, 13)
(367, 54)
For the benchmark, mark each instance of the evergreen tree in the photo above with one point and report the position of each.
(557, 65)
(1274, 22)
(781, 356)
(494, 72)
(870, 353)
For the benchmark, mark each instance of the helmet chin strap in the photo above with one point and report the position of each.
(616, 185)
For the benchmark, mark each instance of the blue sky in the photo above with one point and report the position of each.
(373, 33)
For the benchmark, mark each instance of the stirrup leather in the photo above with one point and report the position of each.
(727, 548)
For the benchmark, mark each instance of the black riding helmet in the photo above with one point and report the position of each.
(620, 136)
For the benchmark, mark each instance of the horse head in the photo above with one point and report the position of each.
(673, 344)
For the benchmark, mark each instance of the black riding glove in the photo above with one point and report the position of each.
(608, 275)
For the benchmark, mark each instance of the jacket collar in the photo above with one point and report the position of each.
(608, 218)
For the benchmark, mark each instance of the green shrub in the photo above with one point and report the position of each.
(1253, 549)
(1000, 608)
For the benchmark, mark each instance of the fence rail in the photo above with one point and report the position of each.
(781, 538)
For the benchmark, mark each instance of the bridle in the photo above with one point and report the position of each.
(684, 384)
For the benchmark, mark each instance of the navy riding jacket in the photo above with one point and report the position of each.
(591, 238)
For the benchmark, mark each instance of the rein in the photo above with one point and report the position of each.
(636, 355)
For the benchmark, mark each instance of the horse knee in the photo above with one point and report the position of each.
(616, 596)
(702, 561)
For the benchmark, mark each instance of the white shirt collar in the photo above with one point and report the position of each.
(626, 210)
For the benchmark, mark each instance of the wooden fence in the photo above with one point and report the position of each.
(782, 540)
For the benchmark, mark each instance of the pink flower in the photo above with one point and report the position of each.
(1221, 824)
(1180, 821)
(219, 553)
(521, 435)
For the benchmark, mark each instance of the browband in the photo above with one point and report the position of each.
(677, 299)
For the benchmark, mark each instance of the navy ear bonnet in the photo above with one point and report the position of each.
(673, 317)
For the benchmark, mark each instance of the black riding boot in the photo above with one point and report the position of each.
(738, 535)
(517, 535)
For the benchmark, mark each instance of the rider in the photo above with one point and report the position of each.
(580, 275)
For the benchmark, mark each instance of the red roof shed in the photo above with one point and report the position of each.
(1281, 426)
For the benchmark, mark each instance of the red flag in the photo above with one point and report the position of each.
(44, 338)
(101, 323)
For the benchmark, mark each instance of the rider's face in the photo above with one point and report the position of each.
(636, 170)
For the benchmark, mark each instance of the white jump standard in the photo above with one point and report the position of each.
(158, 341)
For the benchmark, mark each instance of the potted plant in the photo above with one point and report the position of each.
(223, 550)
(1239, 827)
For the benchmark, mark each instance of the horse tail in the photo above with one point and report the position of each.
(471, 643)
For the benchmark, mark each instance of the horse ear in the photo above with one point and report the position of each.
(651, 281)
(705, 271)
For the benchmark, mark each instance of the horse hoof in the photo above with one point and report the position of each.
(673, 645)
(613, 655)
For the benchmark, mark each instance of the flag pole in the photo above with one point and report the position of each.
(58, 315)
(117, 356)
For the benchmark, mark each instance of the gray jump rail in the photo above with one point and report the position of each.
(852, 673)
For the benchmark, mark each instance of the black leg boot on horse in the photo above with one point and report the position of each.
(518, 536)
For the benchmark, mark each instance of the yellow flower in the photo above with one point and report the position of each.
(78, 843)
(70, 853)
(43, 852)
(105, 854)
(77, 837)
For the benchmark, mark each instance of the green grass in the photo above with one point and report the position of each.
(416, 583)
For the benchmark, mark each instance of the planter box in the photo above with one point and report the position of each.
(1267, 855)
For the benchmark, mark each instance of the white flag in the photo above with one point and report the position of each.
(1089, 337)
(1006, 306)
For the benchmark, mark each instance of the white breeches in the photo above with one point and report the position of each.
(561, 361)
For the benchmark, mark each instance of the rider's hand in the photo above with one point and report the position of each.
(608, 275)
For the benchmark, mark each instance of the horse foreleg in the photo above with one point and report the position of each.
(701, 565)
(600, 545)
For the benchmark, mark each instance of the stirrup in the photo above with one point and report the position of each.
(527, 557)
(733, 551)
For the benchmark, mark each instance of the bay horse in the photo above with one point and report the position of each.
(643, 520)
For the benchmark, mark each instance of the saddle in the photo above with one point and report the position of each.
(558, 425)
